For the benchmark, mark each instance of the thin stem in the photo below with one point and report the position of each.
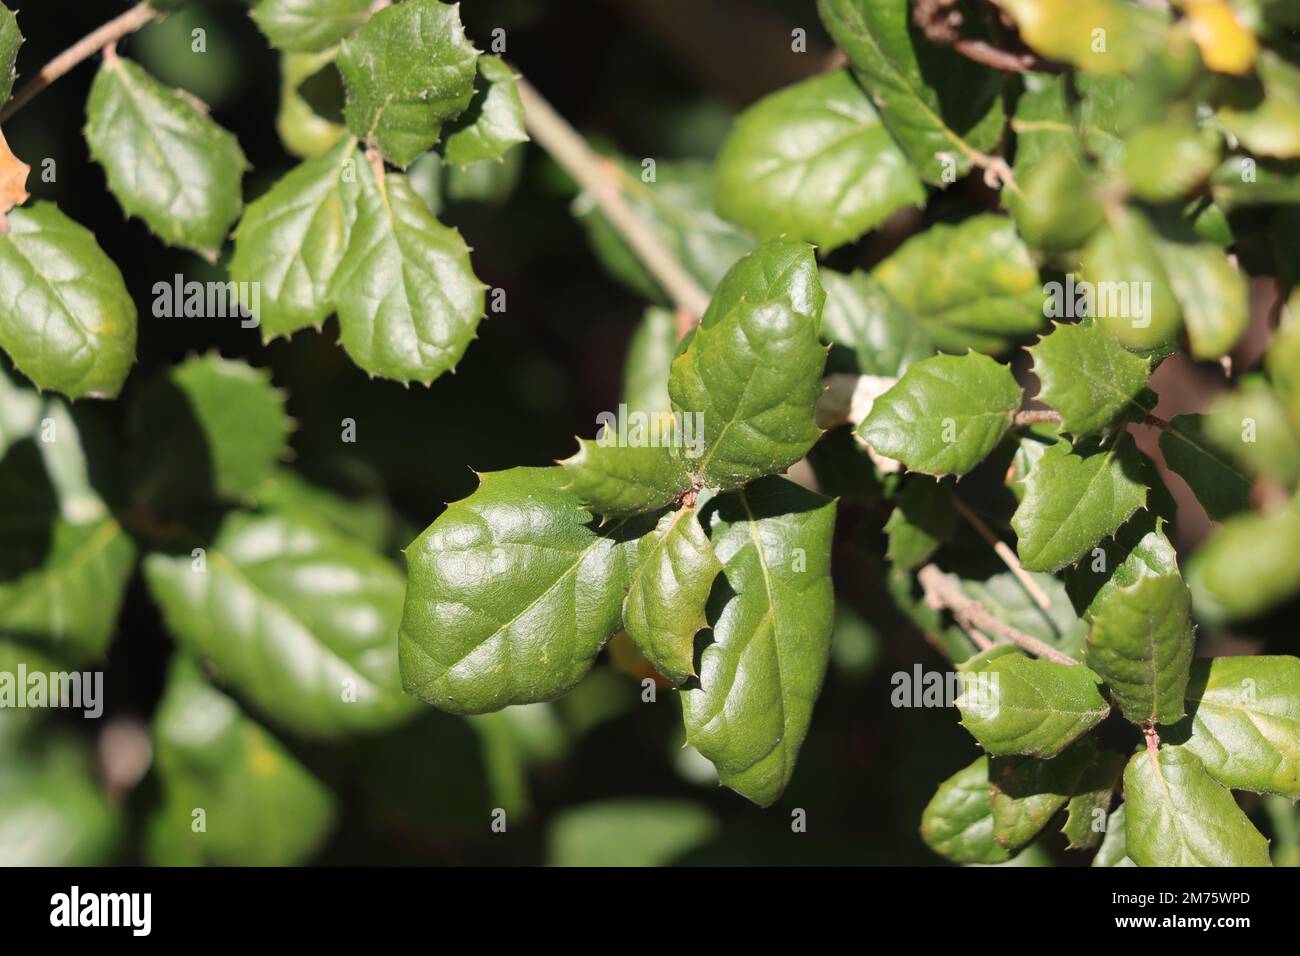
(941, 591)
(1003, 551)
(598, 178)
(83, 49)
(1033, 416)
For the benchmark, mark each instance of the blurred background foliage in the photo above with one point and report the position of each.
(599, 776)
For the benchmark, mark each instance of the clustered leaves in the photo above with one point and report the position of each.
(1139, 165)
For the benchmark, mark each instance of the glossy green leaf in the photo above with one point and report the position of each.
(1087, 376)
(1114, 845)
(1249, 565)
(304, 132)
(1031, 707)
(1244, 722)
(1167, 160)
(751, 377)
(678, 204)
(957, 823)
(406, 295)
(11, 39)
(1057, 206)
(861, 316)
(1027, 793)
(941, 107)
(614, 479)
(649, 360)
(1074, 501)
(494, 120)
(1212, 294)
(407, 71)
(971, 285)
(1218, 485)
(294, 616)
(309, 26)
(814, 162)
(1086, 814)
(165, 158)
(511, 594)
(628, 833)
(923, 520)
(210, 427)
(771, 630)
(1141, 645)
(292, 239)
(665, 604)
(66, 318)
(260, 805)
(1132, 297)
(778, 271)
(945, 414)
(1179, 816)
(1140, 549)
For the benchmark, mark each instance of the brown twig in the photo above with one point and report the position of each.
(1033, 416)
(1003, 551)
(970, 614)
(598, 179)
(83, 49)
(941, 22)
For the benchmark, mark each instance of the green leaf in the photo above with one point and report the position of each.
(1087, 376)
(923, 520)
(309, 26)
(861, 316)
(945, 414)
(1178, 816)
(1086, 819)
(511, 594)
(628, 833)
(407, 71)
(407, 297)
(971, 285)
(1141, 645)
(957, 823)
(261, 806)
(1249, 565)
(813, 162)
(1168, 160)
(771, 635)
(1027, 793)
(1140, 549)
(1265, 113)
(1243, 722)
(665, 603)
(1212, 294)
(649, 360)
(1114, 845)
(494, 120)
(292, 239)
(1283, 360)
(778, 271)
(1251, 425)
(678, 205)
(628, 479)
(1217, 484)
(1132, 298)
(66, 318)
(1057, 206)
(52, 810)
(10, 40)
(1072, 502)
(166, 160)
(304, 132)
(210, 427)
(938, 104)
(754, 375)
(1031, 707)
(296, 617)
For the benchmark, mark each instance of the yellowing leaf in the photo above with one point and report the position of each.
(1227, 46)
(13, 181)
